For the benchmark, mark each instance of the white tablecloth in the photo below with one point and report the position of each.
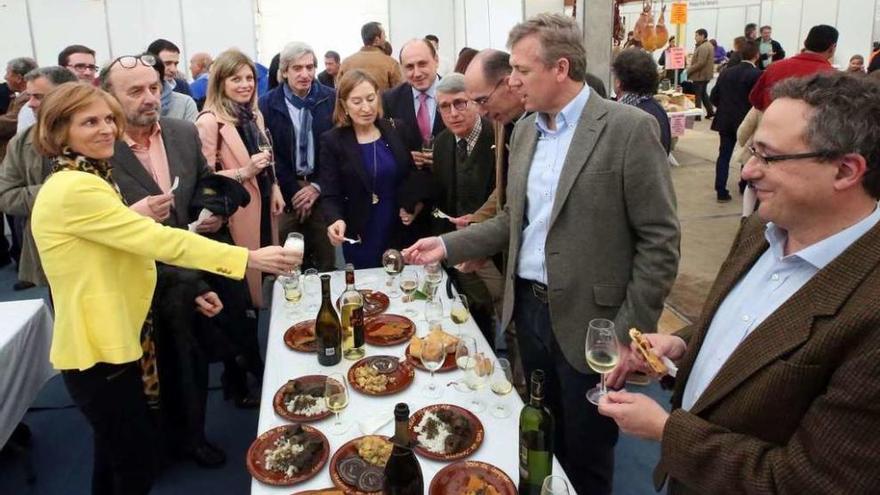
(25, 337)
(501, 442)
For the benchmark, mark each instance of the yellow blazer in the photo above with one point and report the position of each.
(99, 259)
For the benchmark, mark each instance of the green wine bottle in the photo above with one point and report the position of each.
(535, 440)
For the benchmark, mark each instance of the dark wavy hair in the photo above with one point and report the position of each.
(636, 71)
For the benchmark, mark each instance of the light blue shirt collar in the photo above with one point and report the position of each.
(431, 92)
(569, 115)
(824, 251)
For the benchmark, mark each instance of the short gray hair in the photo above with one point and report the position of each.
(291, 52)
(55, 74)
(560, 37)
(21, 65)
(451, 83)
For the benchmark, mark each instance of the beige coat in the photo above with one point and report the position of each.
(370, 59)
(702, 63)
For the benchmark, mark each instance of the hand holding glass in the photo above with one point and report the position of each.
(296, 242)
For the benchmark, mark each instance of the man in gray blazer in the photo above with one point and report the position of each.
(590, 227)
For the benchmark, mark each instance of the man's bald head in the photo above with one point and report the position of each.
(486, 83)
(199, 64)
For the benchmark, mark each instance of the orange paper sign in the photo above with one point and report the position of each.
(679, 13)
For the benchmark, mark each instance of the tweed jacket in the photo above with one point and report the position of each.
(702, 63)
(613, 237)
(796, 407)
(21, 176)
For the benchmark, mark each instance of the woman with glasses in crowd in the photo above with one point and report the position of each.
(365, 174)
(99, 258)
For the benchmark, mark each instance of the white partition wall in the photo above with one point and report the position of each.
(410, 19)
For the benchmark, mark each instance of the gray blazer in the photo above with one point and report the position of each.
(185, 160)
(613, 243)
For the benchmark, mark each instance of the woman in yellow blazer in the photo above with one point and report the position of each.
(99, 259)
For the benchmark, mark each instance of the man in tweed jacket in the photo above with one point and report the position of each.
(778, 386)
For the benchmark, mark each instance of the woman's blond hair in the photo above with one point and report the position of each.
(225, 66)
(57, 110)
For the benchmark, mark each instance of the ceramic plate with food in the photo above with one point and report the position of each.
(287, 455)
(445, 432)
(302, 399)
(301, 337)
(375, 302)
(471, 478)
(414, 349)
(358, 467)
(380, 375)
(388, 329)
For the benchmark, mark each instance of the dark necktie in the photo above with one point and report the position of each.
(461, 151)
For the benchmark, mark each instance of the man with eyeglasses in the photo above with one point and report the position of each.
(80, 60)
(776, 389)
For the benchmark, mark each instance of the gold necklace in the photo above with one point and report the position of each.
(375, 196)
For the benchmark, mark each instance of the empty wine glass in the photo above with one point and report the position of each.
(434, 311)
(433, 276)
(336, 398)
(409, 282)
(502, 384)
(554, 485)
(478, 376)
(459, 312)
(296, 242)
(392, 261)
(264, 143)
(601, 348)
(433, 356)
(465, 349)
(311, 289)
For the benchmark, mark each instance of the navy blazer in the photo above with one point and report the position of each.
(398, 103)
(651, 106)
(277, 119)
(345, 186)
(731, 96)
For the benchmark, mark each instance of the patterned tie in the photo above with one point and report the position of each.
(423, 119)
(461, 150)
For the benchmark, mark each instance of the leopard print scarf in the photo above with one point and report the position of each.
(71, 160)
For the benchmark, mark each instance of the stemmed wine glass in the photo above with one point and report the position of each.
(602, 352)
(465, 350)
(392, 261)
(336, 398)
(478, 375)
(311, 289)
(434, 311)
(433, 356)
(459, 312)
(296, 242)
(264, 143)
(502, 384)
(554, 485)
(291, 284)
(433, 276)
(409, 282)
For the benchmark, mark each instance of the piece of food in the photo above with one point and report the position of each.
(444, 431)
(477, 485)
(384, 364)
(351, 468)
(370, 380)
(391, 330)
(375, 450)
(304, 337)
(416, 344)
(371, 479)
(304, 399)
(644, 347)
(294, 451)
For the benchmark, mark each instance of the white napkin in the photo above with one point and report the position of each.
(203, 215)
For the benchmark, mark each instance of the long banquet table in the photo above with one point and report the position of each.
(501, 441)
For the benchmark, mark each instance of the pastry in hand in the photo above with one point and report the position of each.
(644, 347)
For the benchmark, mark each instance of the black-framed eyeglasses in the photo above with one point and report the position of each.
(485, 99)
(460, 105)
(84, 67)
(767, 160)
(130, 61)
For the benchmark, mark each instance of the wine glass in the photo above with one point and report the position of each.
(465, 350)
(336, 398)
(478, 375)
(409, 282)
(459, 312)
(296, 242)
(265, 144)
(433, 276)
(433, 311)
(290, 283)
(433, 356)
(602, 352)
(392, 261)
(311, 289)
(554, 485)
(502, 384)
(428, 145)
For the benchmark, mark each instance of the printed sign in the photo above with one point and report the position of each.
(675, 58)
(679, 13)
(677, 125)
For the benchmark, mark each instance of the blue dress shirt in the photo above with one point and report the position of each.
(772, 280)
(550, 152)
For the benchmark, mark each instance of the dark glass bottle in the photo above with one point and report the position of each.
(403, 475)
(328, 331)
(535, 440)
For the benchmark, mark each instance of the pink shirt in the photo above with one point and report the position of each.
(153, 157)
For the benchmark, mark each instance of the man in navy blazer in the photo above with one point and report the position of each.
(418, 59)
(731, 99)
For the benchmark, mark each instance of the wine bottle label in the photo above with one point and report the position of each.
(357, 325)
(523, 458)
(330, 351)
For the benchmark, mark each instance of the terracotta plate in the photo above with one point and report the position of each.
(256, 458)
(281, 410)
(298, 331)
(322, 491)
(402, 376)
(375, 302)
(448, 364)
(476, 436)
(348, 449)
(402, 329)
(454, 478)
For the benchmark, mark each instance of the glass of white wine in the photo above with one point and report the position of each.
(433, 276)
(433, 356)
(311, 283)
(477, 377)
(465, 350)
(502, 384)
(296, 242)
(392, 261)
(603, 353)
(264, 138)
(409, 282)
(336, 398)
(459, 312)
(554, 485)
(290, 283)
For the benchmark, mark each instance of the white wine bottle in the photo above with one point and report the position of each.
(535, 440)
(351, 306)
(328, 331)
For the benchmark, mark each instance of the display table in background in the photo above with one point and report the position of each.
(501, 443)
(25, 338)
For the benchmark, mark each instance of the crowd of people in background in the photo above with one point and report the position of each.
(513, 167)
